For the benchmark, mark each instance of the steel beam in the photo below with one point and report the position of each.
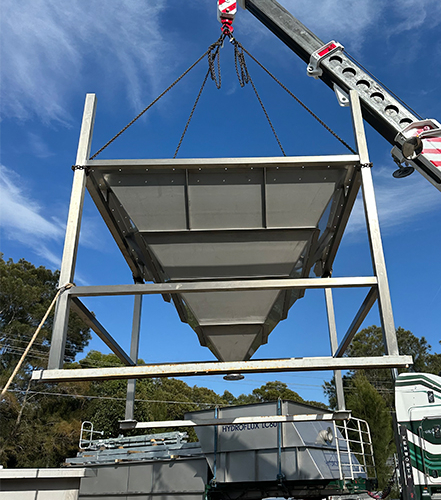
(341, 405)
(222, 286)
(312, 417)
(222, 368)
(196, 163)
(373, 228)
(134, 347)
(349, 201)
(387, 115)
(90, 320)
(107, 215)
(59, 330)
(368, 302)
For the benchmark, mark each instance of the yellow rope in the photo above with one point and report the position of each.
(37, 331)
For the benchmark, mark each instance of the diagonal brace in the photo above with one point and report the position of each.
(368, 302)
(90, 320)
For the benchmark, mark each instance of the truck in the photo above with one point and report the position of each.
(418, 414)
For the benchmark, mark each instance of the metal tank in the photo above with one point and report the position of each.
(312, 451)
(313, 454)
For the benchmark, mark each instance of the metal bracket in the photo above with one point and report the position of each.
(81, 167)
(317, 57)
(424, 129)
(342, 96)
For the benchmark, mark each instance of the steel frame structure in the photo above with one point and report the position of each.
(378, 288)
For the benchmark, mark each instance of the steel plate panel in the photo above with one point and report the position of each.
(228, 254)
(154, 201)
(225, 199)
(297, 198)
(231, 308)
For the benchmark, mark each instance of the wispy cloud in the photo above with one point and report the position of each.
(39, 148)
(48, 47)
(351, 21)
(24, 220)
(399, 201)
(413, 14)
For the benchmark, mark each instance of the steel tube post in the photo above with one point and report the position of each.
(134, 347)
(373, 227)
(341, 405)
(59, 331)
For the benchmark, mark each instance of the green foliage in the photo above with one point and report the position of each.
(26, 292)
(367, 404)
(369, 342)
(271, 391)
(39, 430)
(370, 393)
(36, 430)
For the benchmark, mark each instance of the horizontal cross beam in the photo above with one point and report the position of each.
(222, 286)
(233, 163)
(222, 368)
(311, 417)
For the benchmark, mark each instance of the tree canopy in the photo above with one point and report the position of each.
(26, 292)
(370, 394)
(45, 430)
(35, 429)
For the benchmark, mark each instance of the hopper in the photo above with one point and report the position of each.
(225, 219)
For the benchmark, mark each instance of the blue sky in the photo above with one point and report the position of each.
(127, 52)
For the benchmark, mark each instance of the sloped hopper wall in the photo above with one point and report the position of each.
(225, 223)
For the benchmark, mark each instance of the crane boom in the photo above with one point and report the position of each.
(390, 117)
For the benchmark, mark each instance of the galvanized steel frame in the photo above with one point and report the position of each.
(222, 368)
(216, 422)
(378, 284)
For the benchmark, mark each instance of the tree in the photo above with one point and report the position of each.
(271, 391)
(367, 404)
(156, 399)
(36, 429)
(370, 393)
(369, 342)
(26, 292)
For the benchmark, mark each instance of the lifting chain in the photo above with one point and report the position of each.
(244, 77)
(299, 101)
(155, 100)
(213, 55)
(214, 71)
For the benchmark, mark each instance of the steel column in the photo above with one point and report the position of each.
(341, 405)
(59, 331)
(134, 347)
(373, 228)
